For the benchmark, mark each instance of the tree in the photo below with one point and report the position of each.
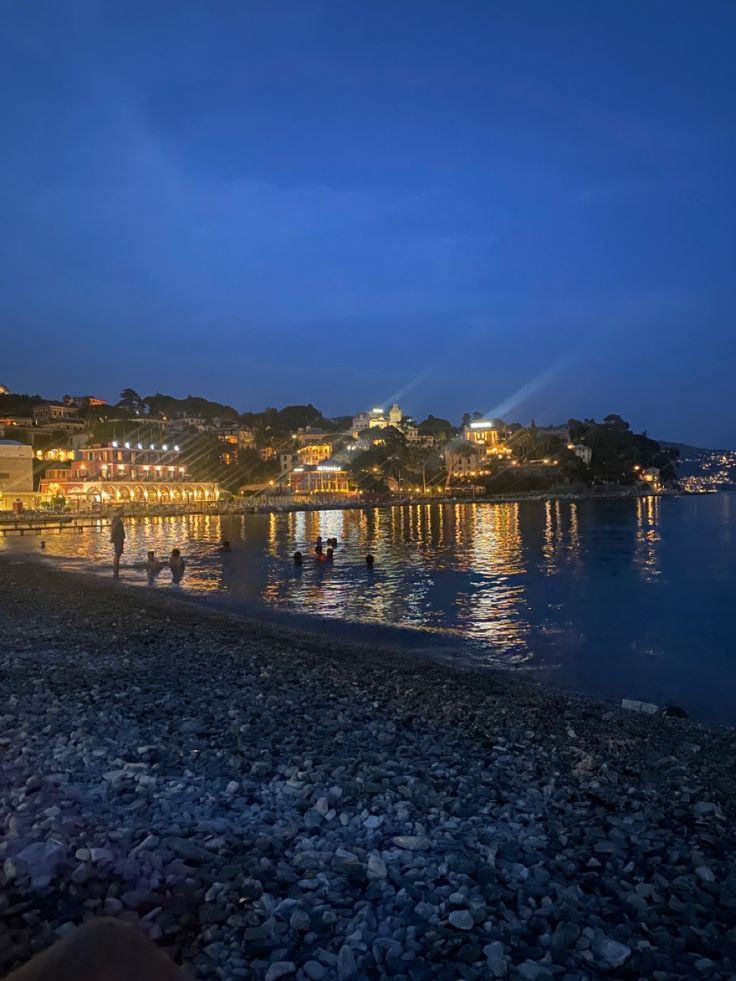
(131, 402)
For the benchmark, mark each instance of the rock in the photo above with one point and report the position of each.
(674, 712)
(300, 921)
(346, 966)
(461, 919)
(101, 855)
(190, 851)
(646, 708)
(251, 889)
(496, 959)
(412, 843)
(705, 874)
(610, 952)
(376, 866)
(279, 969)
(314, 970)
(530, 971)
(372, 822)
(565, 935)
(704, 808)
(41, 860)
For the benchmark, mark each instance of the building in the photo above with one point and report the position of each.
(325, 478)
(583, 453)
(83, 401)
(53, 414)
(129, 472)
(287, 462)
(16, 473)
(651, 476)
(462, 460)
(246, 439)
(314, 453)
(485, 437)
(395, 415)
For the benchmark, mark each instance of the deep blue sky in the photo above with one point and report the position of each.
(519, 206)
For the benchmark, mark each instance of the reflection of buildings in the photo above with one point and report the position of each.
(323, 478)
(130, 472)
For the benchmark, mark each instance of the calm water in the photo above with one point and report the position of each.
(619, 597)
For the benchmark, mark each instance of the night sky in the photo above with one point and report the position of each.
(525, 209)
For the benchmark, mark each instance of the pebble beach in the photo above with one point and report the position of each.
(266, 804)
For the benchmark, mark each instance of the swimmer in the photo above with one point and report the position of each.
(298, 558)
(369, 560)
(330, 555)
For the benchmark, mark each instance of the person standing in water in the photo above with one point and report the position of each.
(153, 567)
(177, 566)
(117, 537)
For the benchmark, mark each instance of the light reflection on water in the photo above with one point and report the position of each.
(618, 597)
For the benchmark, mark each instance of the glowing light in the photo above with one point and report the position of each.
(482, 425)
(115, 443)
(165, 446)
(127, 446)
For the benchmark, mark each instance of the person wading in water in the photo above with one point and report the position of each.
(117, 537)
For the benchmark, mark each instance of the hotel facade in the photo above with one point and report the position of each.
(128, 472)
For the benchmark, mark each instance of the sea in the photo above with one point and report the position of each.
(617, 598)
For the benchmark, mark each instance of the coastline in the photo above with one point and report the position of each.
(258, 795)
(133, 509)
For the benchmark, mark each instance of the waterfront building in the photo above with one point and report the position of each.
(325, 478)
(16, 473)
(129, 472)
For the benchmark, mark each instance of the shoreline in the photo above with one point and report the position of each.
(251, 795)
(275, 507)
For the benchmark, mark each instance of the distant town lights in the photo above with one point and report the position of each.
(482, 425)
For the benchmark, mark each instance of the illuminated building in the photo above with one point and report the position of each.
(395, 415)
(129, 472)
(325, 478)
(16, 472)
(246, 439)
(267, 453)
(314, 453)
(84, 401)
(484, 436)
(651, 476)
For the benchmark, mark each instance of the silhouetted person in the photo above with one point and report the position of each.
(330, 555)
(319, 555)
(117, 537)
(225, 548)
(298, 558)
(369, 560)
(177, 565)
